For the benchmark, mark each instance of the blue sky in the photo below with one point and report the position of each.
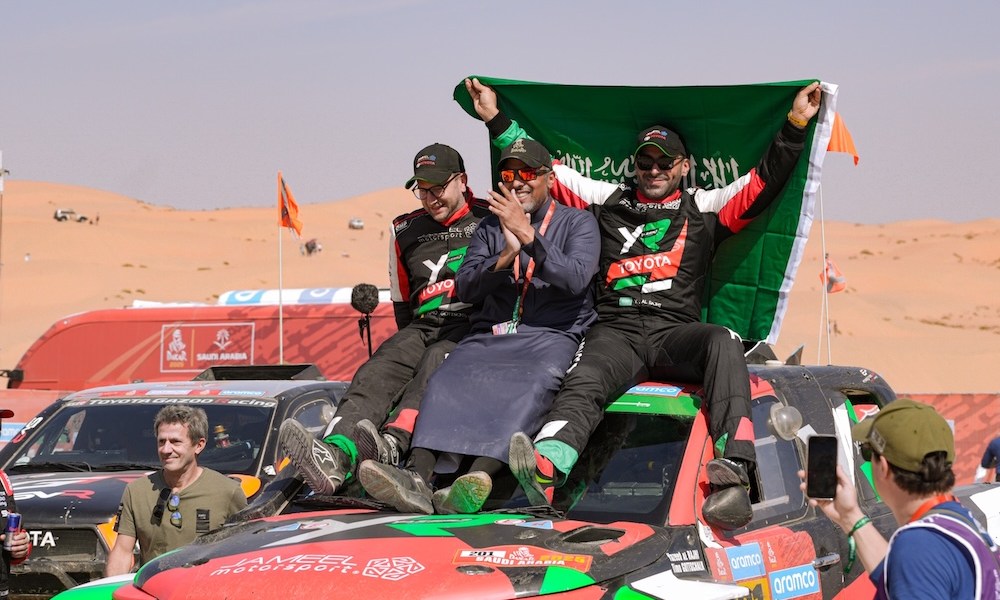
(197, 104)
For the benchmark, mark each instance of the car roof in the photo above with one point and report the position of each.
(244, 387)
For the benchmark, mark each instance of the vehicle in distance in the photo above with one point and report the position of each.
(70, 464)
(68, 214)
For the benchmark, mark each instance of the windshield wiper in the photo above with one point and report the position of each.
(52, 466)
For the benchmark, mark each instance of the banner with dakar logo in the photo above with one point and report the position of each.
(726, 130)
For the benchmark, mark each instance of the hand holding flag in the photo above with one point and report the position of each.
(288, 209)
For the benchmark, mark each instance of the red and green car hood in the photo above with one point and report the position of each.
(372, 554)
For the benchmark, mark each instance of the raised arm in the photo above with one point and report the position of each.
(741, 201)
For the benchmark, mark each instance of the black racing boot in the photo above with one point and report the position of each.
(324, 467)
(372, 445)
(402, 489)
(728, 504)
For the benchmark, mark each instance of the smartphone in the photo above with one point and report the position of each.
(821, 470)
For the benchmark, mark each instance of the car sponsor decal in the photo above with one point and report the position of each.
(389, 568)
(522, 556)
(759, 588)
(535, 524)
(657, 399)
(165, 397)
(794, 582)
(686, 561)
(719, 563)
(746, 561)
(26, 429)
(42, 539)
(511, 521)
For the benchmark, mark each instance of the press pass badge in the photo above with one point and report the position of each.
(505, 328)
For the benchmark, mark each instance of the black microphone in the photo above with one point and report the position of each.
(364, 298)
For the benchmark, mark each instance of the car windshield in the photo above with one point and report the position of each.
(627, 471)
(107, 437)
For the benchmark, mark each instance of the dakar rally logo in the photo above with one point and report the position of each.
(653, 272)
(438, 294)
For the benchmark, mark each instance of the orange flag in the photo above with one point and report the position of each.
(288, 209)
(841, 140)
(832, 277)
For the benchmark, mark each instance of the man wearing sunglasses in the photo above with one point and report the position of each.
(657, 243)
(169, 508)
(530, 267)
(426, 247)
(939, 550)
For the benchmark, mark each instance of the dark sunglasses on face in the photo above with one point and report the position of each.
(526, 174)
(645, 162)
(436, 191)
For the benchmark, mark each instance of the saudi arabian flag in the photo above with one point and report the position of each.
(726, 130)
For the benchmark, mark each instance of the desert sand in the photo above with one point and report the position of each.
(921, 308)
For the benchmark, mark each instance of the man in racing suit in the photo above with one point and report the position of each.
(530, 270)
(426, 248)
(657, 243)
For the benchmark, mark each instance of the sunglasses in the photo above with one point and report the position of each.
(172, 504)
(175, 515)
(866, 451)
(645, 162)
(528, 174)
(436, 191)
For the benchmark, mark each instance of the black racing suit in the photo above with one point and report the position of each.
(654, 259)
(424, 257)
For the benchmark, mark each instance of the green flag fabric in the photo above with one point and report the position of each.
(726, 130)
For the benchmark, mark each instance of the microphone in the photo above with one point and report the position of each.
(364, 298)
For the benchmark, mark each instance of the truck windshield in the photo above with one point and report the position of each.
(121, 436)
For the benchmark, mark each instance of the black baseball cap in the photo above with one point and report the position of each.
(527, 151)
(664, 139)
(435, 164)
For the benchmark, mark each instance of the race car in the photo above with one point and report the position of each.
(70, 464)
(629, 522)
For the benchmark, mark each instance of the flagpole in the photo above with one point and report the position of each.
(281, 305)
(824, 315)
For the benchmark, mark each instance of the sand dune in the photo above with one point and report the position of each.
(921, 308)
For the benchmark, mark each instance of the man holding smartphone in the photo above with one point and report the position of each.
(939, 550)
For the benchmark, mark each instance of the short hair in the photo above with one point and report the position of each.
(935, 476)
(195, 419)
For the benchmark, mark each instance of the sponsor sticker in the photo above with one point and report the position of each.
(670, 391)
(759, 589)
(746, 561)
(389, 568)
(794, 582)
(522, 556)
